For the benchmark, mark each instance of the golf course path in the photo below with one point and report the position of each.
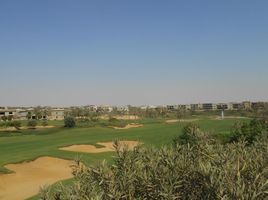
(28, 177)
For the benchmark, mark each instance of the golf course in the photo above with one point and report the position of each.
(28, 152)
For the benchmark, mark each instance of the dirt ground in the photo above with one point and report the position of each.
(24, 128)
(107, 147)
(180, 120)
(121, 117)
(227, 117)
(132, 125)
(28, 177)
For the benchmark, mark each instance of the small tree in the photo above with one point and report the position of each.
(32, 123)
(247, 131)
(16, 124)
(190, 133)
(44, 122)
(10, 117)
(69, 122)
(4, 118)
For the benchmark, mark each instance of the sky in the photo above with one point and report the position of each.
(137, 52)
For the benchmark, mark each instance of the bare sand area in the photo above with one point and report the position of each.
(228, 117)
(181, 120)
(131, 125)
(25, 128)
(121, 117)
(107, 147)
(28, 177)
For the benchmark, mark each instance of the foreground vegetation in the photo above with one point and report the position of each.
(196, 167)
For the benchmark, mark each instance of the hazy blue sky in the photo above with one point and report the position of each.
(66, 52)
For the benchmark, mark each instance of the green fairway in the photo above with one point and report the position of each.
(28, 145)
(35, 143)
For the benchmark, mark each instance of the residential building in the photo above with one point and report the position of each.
(237, 106)
(247, 105)
(6, 112)
(209, 106)
(56, 114)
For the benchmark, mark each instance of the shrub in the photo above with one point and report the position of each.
(191, 134)
(205, 172)
(44, 122)
(9, 117)
(248, 131)
(69, 122)
(16, 124)
(32, 123)
(4, 118)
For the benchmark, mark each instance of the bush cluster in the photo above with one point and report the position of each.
(69, 122)
(32, 123)
(16, 124)
(248, 131)
(196, 169)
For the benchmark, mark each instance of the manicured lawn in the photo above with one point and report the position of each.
(35, 143)
(30, 144)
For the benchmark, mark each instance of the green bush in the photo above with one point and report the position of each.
(44, 122)
(69, 122)
(248, 131)
(200, 171)
(191, 134)
(32, 123)
(16, 124)
(4, 118)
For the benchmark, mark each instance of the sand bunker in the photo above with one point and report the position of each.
(132, 125)
(24, 128)
(121, 117)
(28, 177)
(181, 120)
(227, 117)
(107, 147)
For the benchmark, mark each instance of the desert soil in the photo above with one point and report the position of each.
(25, 128)
(121, 117)
(227, 117)
(28, 177)
(107, 147)
(180, 120)
(132, 125)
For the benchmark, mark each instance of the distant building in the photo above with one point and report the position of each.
(222, 106)
(259, 105)
(172, 107)
(92, 108)
(247, 105)
(104, 108)
(229, 106)
(209, 106)
(194, 107)
(23, 114)
(56, 114)
(237, 106)
(5, 112)
(122, 108)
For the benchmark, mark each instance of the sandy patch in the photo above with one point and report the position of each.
(28, 177)
(132, 125)
(37, 127)
(25, 128)
(8, 129)
(107, 147)
(181, 120)
(227, 117)
(120, 117)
